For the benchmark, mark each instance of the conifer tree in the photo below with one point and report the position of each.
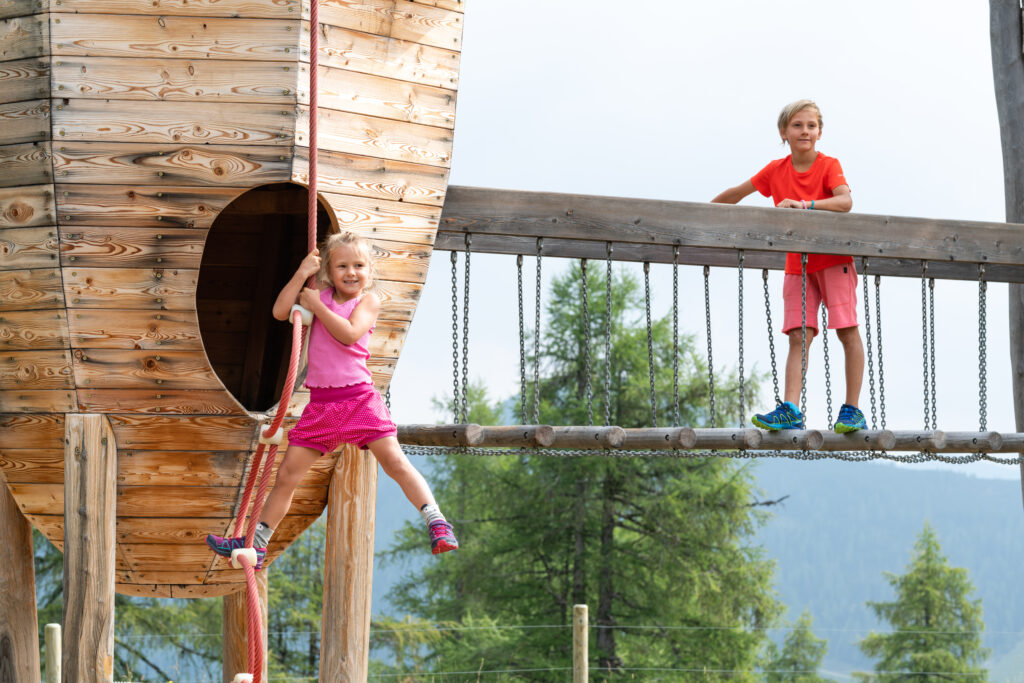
(800, 657)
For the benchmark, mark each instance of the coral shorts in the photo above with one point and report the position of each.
(338, 415)
(836, 286)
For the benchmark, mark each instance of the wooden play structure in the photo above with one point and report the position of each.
(153, 162)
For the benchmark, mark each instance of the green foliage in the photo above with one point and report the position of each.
(800, 657)
(936, 625)
(296, 594)
(648, 542)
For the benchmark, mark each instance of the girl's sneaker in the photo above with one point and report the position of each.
(442, 538)
(223, 547)
(850, 419)
(785, 416)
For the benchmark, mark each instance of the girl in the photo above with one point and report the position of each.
(344, 406)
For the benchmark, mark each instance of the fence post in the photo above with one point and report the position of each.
(53, 644)
(580, 654)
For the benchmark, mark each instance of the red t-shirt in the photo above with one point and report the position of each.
(779, 180)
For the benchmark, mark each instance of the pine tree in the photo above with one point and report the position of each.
(936, 625)
(800, 657)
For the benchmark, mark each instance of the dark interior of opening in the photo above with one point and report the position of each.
(252, 250)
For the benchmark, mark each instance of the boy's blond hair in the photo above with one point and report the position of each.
(792, 109)
(339, 239)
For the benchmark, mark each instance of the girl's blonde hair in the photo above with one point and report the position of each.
(792, 109)
(339, 239)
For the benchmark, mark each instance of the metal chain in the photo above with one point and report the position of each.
(585, 295)
(771, 338)
(608, 337)
(739, 321)
(867, 334)
(931, 342)
(982, 349)
(828, 370)
(522, 342)
(924, 342)
(465, 334)
(803, 335)
(536, 338)
(675, 336)
(711, 364)
(650, 342)
(387, 398)
(455, 338)
(878, 333)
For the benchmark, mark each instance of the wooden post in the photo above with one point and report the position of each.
(1008, 77)
(90, 465)
(235, 630)
(580, 654)
(348, 568)
(19, 639)
(53, 653)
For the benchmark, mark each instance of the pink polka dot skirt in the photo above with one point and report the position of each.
(339, 415)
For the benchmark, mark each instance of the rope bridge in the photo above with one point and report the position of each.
(681, 233)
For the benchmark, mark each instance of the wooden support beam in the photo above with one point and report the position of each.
(90, 468)
(235, 631)
(441, 435)
(19, 628)
(348, 568)
(579, 226)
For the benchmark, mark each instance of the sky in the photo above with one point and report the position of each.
(677, 101)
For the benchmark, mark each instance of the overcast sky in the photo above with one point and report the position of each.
(678, 100)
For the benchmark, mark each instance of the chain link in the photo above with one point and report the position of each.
(711, 363)
(878, 333)
(522, 341)
(675, 336)
(387, 398)
(608, 337)
(828, 370)
(924, 342)
(771, 337)
(739, 325)
(803, 335)
(982, 349)
(465, 334)
(536, 337)
(585, 295)
(455, 338)
(931, 335)
(650, 342)
(870, 341)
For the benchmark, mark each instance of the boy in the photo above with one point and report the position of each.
(809, 180)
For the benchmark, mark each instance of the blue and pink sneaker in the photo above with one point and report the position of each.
(223, 547)
(442, 538)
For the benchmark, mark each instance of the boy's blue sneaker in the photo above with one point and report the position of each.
(785, 416)
(223, 547)
(850, 420)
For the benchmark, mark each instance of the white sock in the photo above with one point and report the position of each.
(431, 513)
(262, 536)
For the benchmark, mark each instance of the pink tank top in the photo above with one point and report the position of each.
(331, 363)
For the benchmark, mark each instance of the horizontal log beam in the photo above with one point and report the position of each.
(581, 226)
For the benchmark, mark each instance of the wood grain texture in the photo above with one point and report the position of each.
(23, 37)
(174, 433)
(398, 299)
(348, 568)
(89, 556)
(131, 247)
(385, 220)
(373, 178)
(36, 369)
(21, 330)
(124, 369)
(141, 206)
(384, 56)
(155, 122)
(33, 465)
(28, 248)
(151, 164)
(235, 631)
(341, 131)
(37, 401)
(344, 90)
(142, 590)
(189, 80)
(24, 79)
(32, 431)
(119, 329)
(19, 8)
(168, 530)
(23, 290)
(411, 21)
(19, 626)
(158, 401)
(25, 164)
(174, 37)
(27, 121)
(158, 288)
(266, 9)
(26, 207)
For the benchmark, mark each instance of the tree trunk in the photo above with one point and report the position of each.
(607, 659)
(235, 631)
(19, 628)
(1008, 75)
